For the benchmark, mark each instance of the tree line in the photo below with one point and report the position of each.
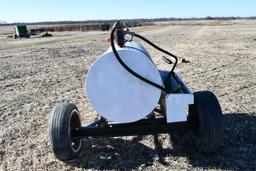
(131, 21)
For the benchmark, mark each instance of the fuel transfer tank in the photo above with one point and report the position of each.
(117, 95)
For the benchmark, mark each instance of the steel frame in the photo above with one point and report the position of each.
(150, 125)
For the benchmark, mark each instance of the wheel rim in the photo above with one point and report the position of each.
(74, 124)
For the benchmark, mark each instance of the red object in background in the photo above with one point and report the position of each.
(109, 39)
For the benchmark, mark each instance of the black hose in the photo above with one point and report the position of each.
(162, 50)
(129, 69)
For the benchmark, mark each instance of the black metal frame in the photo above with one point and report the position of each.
(142, 127)
(147, 126)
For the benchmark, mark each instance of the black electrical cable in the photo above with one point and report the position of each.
(129, 69)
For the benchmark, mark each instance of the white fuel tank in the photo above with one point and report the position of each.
(116, 94)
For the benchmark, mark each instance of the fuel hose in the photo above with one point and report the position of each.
(133, 72)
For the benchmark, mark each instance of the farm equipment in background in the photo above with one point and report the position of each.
(45, 34)
(20, 31)
(133, 97)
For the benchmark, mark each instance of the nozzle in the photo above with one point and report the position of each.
(119, 33)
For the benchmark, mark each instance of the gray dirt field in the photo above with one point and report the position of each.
(37, 73)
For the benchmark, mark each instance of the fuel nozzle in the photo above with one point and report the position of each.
(119, 33)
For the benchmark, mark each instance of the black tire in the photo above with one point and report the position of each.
(64, 118)
(15, 36)
(207, 115)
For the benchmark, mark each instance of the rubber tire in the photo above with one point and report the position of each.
(64, 118)
(208, 115)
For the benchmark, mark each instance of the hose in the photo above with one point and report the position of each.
(161, 50)
(127, 67)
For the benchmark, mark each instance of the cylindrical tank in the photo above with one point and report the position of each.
(117, 95)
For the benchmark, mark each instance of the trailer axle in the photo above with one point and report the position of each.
(143, 127)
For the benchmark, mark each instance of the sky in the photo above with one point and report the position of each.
(77, 10)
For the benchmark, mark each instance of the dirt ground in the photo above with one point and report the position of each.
(37, 73)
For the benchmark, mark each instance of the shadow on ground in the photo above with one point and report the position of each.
(238, 149)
